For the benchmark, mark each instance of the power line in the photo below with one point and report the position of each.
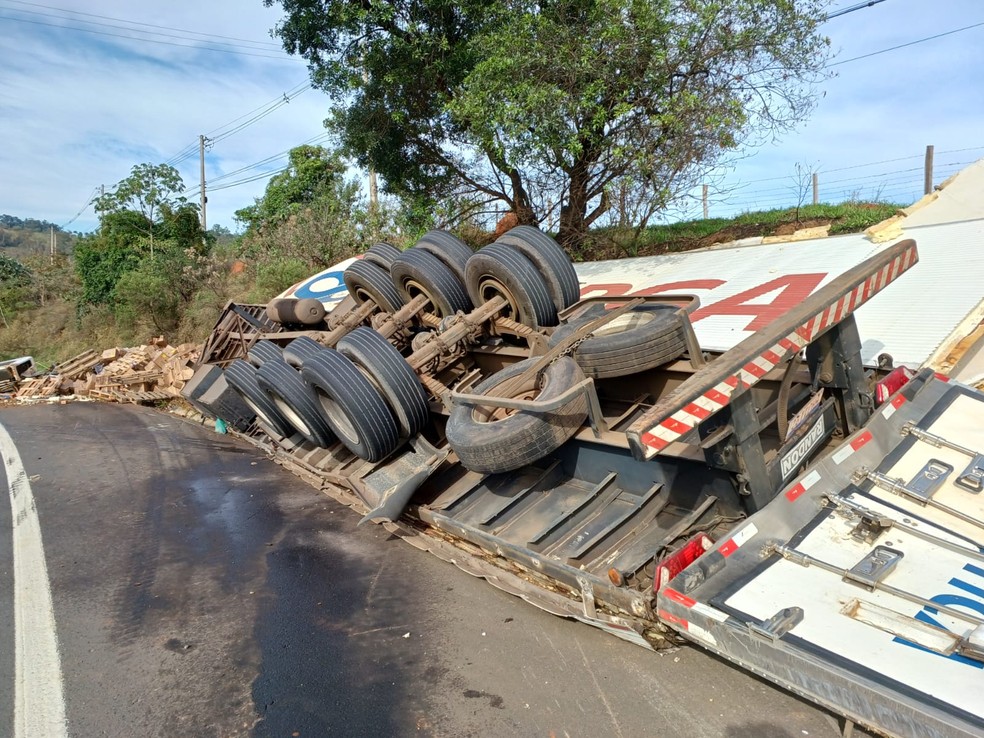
(910, 43)
(269, 159)
(88, 202)
(145, 40)
(291, 93)
(149, 25)
(134, 30)
(270, 109)
(211, 138)
(851, 9)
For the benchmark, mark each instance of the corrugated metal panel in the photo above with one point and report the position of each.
(909, 320)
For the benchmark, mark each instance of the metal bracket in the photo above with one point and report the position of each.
(779, 624)
(585, 387)
(874, 567)
(587, 597)
(871, 526)
(929, 479)
(972, 478)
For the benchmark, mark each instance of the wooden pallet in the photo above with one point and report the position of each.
(40, 386)
(122, 395)
(78, 365)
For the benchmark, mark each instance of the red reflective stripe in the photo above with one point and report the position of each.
(941, 377)
(654, 441)
(719, 397)
(728, 547)
(672, 594)
(772, 357)
(731, 381)
(754, 369)
(898, 402)
(697, 411)
(675, 426)
(861, 440)
(670, 618)
(788, 345)
(794, 492)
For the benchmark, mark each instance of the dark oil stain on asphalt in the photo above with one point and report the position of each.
(335, 659)
(494, 699)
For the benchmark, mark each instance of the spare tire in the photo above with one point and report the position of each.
(501, 270)
(242, 378)
(368, 281)
(354, 409)
(645, 337)
(553, 263)
(492, 440)
(296, 401)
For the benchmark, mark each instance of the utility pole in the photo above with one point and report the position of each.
(928, 171)
(51, 230)
(373, 190)
(201, 155)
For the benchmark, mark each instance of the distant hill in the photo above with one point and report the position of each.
(22, 237)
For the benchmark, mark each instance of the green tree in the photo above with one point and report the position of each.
(149, 190)
(538, 103)
(309, 214)
(313, 175)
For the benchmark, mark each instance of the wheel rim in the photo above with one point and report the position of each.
(288, 412)
(626, 322)
(338, 417)
(490, 288)
(361, 296)
(260, 412)
(414, 288)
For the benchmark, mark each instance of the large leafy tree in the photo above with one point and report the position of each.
(151, 191)
(145, 228)
(313, 176)
(535, 103)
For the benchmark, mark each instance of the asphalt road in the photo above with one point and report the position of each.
(200, 590)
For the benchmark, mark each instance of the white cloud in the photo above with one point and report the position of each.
(78, 110)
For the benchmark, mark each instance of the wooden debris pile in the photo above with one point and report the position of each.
(141, 374)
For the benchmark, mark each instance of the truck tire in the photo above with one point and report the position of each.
(491, 440)
(354, 409)
(452, 251)
(368, 281)
(295, 400)
(553, 263)
(418, 272)
(381, 254)
(242, 378)
(263, 351)
(391, 373)
(299, 349)
(499, 269)
(640, 339)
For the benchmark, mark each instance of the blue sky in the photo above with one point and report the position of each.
(77, 109)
